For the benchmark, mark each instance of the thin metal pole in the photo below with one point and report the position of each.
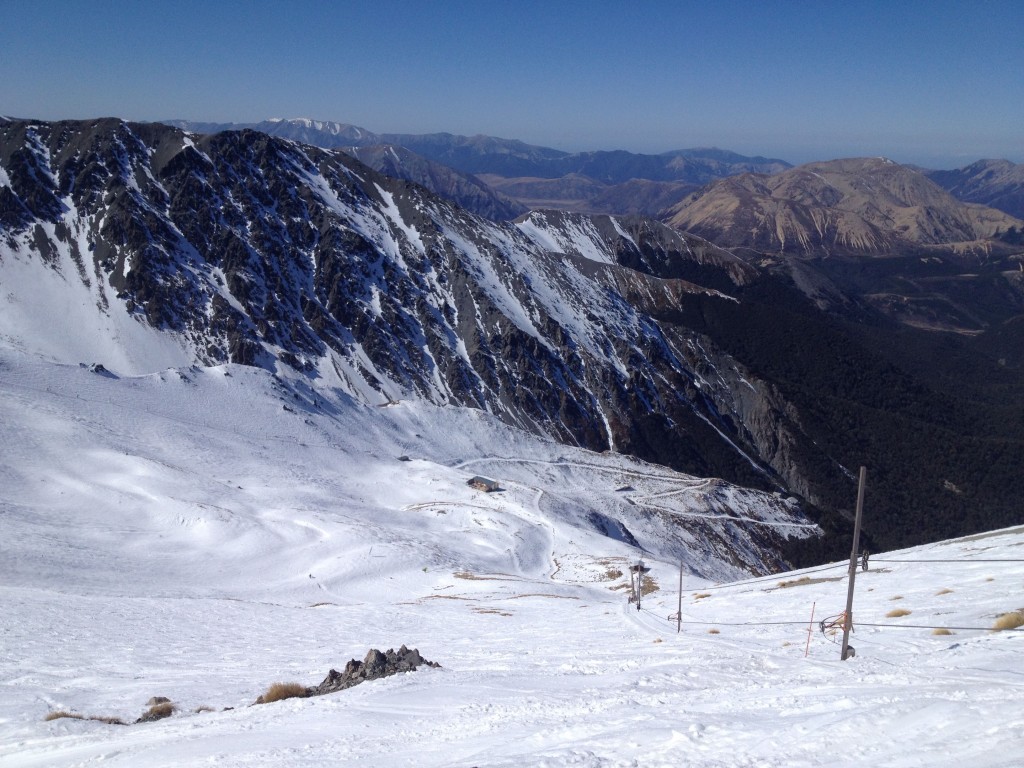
(679, 613)
(810, 629)
(848, 618)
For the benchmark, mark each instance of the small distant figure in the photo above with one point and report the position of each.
(864, 560)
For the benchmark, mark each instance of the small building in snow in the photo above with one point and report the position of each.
(483, 484)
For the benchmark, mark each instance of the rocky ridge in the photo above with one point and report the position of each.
(612, 333)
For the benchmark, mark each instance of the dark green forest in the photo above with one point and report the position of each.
(935, 417)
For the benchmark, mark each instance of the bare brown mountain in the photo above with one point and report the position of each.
(995, 183)
(863, 206)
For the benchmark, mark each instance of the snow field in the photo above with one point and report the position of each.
(182, 534)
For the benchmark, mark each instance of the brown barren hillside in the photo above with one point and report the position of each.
(865, 206)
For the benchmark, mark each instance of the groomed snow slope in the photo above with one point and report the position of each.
(202, 533)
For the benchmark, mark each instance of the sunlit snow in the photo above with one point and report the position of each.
(200, 533)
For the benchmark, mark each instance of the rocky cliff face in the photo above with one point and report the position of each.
(605, 332)
(260, 251)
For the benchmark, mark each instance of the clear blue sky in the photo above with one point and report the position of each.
(938, 83)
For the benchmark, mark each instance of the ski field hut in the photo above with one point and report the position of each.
(483, 484)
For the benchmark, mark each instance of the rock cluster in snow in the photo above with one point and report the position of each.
(376, 664)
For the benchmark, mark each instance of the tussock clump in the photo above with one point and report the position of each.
(794, 582)
(75, 716)
(612, 574)
(897, 612)
(61, 713)
(282, 691)
(203, 708)
(1010, 620)
(158, 711)
(941, 631)
(107, 720)
(648, 585)
(896, 597)
(701, 595)
(713, 631)
(943, 592)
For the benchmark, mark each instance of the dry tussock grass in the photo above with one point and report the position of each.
(494, 611)
(467, 576)
(648, 585)
(61, 713)
(1010, 620)
(794, 582)
(713, 631)
(282, 691)
(896, 597)
(805, 580)
(542, 594)
(159, 711)
(941, 631)
(701, 595)
(57, 715)
(943, 592)
(107, 720)
(896, 613)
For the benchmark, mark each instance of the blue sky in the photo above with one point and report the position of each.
(938, 83)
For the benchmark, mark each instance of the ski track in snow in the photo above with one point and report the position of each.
(181, 534)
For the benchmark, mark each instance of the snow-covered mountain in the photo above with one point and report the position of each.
(143, 247)
(244, 248)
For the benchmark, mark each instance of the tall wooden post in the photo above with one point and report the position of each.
(679, 613)
(639, 582)
(848, 619)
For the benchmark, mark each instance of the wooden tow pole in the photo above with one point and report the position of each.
(679, 613)
(847, 651)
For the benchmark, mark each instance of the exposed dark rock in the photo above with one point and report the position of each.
(260, 251)
(377, 664)
(157, 711)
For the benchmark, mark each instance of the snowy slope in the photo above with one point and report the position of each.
(200, 533)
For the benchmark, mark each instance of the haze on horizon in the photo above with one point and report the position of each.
(932, 83)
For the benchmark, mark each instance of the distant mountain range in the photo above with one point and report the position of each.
(995, 183)
(512, 158)
(501, 178)
(599, 182)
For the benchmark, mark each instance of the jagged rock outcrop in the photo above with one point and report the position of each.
(377, 664)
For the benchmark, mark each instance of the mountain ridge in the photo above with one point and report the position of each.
(608, 333)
